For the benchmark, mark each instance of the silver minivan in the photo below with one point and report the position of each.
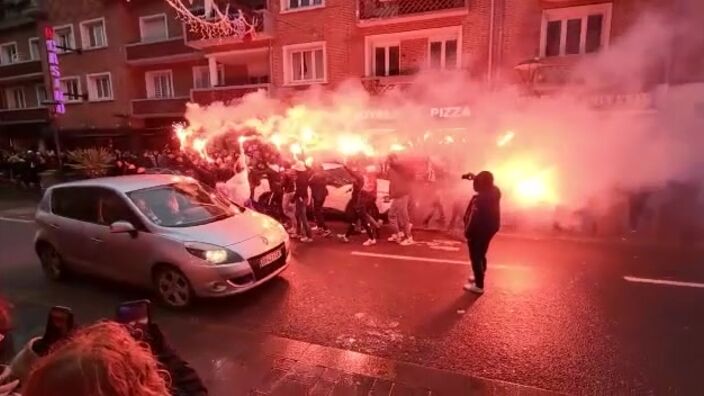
(169, 233)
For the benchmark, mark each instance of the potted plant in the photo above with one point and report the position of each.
(91, 162)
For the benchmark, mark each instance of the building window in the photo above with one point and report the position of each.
(42, 97)
(153, 28)
(71, 87)
(305, 63)
(34, 49)
(64, 39)
(8, 53)
(443, 54)
(16, 98)
(575, 30)
(201, 76)
(387, 60)
(301, 4)
(159, 84)
(93, 34)
(99, 87)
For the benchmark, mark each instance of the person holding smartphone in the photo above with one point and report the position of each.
(482, 221)
(136, 317)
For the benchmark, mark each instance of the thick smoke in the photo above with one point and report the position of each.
(565, 153)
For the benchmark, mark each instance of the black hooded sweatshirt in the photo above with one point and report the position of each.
(483, 215)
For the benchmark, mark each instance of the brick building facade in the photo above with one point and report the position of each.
(138, 66)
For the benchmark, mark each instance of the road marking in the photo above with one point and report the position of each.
(13, 220)
(424, 259)
(663, 282)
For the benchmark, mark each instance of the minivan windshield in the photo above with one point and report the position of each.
(182, 204)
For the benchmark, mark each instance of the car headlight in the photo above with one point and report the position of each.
(213, 254)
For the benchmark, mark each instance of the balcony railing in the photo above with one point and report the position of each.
(381, 85)
(27, 69)
(206, 96)
(159, 107)
(168, 50)
(384, 9)
(24, 116)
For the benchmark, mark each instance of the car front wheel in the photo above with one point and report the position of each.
(173, 287)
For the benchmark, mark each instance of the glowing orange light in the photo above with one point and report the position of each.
(353, 144)
(397, 147)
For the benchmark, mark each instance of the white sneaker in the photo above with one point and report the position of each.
(343, 238)
(471, 279)
(471, 287)
(407, 242)
(306, 239)
(395, 237)
(314, 228)
(369, 242)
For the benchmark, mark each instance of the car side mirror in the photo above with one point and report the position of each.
(122, 227)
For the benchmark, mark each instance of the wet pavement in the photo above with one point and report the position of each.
(558, 315)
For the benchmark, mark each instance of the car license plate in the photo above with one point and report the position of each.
(270, 258)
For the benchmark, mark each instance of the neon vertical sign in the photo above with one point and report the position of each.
(54, 71)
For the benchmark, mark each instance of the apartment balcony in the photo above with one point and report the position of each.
(159, 107)
(24, 116)
(263, 31)
(225, 94)
(20, 71)
(392, 11)
(162, 51)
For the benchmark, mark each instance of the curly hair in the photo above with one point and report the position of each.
(99, 360)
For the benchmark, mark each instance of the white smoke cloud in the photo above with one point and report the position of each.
(578, 151)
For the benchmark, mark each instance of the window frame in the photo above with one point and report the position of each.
(93, 91)
(39, 48)
(286, 8)
(2, 53)
(221, 75)
(10, 92)
(386, 45)
(85, 33)
(36, 92)
(288, 51)
(582, 13)
(72, 38)
(150, 86)
(153, 16)
(67, 99)
(443, 52)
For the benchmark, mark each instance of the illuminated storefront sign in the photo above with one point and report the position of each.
(434, 112)
(55, 81)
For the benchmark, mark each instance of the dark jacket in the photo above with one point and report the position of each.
(318, 185)
(302, 183)
(185, 381)
(483, 215)
(400, 179)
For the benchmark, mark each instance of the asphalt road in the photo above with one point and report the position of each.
(565, 316)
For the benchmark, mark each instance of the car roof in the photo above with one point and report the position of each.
(127, 183)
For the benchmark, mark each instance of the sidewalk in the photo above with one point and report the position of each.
(260, 364)
(233, 361)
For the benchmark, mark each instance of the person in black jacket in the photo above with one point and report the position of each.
(319, 192)
(301, 199)
(482, 220)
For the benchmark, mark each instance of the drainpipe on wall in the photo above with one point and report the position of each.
(490, 59)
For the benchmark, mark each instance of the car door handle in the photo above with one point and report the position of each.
(97, 240)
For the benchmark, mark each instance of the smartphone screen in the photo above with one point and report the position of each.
(134, 313)
(59, 323)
